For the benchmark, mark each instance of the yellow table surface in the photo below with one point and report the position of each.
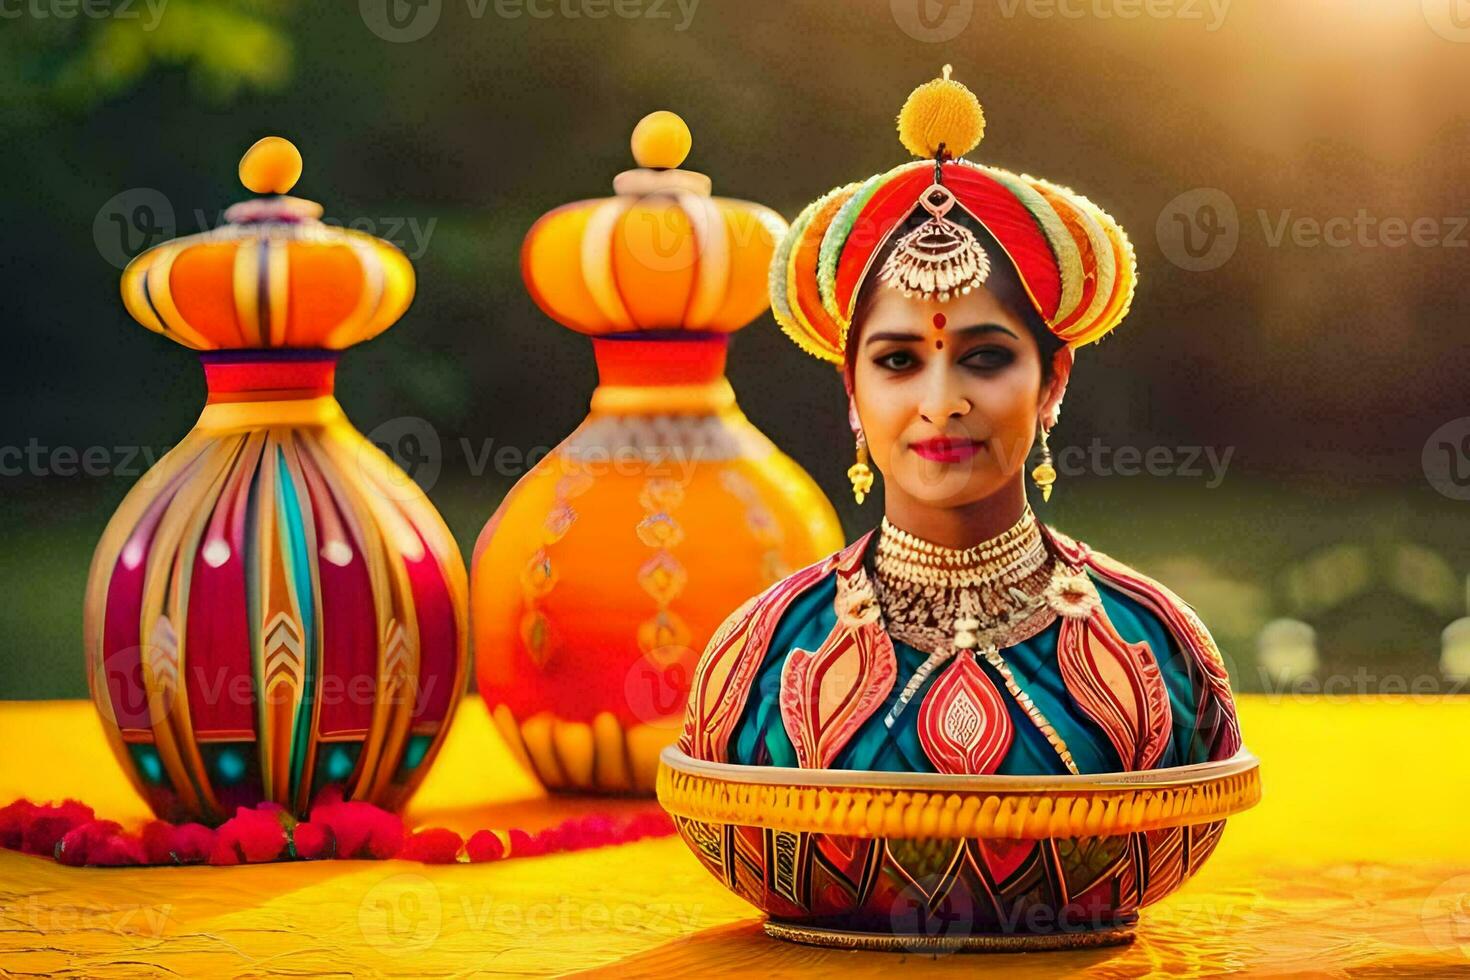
(1357, 862)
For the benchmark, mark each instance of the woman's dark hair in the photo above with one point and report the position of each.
(1003, 282)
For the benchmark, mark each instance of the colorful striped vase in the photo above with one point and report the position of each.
(275, 609)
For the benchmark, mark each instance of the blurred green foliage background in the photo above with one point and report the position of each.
(1324, 370)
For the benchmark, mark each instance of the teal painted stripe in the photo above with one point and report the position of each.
(298, 562)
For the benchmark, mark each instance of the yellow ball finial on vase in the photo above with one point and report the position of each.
(271, 166)
(661, 140)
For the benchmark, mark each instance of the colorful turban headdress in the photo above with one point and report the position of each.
(937, 226)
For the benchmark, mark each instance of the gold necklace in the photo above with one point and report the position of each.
(924, 587)
(982, 598)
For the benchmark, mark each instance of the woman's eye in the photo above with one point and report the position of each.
(989, 358)
(896, 360)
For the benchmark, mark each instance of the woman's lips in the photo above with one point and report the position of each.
(947, 450)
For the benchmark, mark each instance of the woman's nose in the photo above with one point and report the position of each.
(942, 399)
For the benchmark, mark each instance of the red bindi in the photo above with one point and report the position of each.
(939, 321)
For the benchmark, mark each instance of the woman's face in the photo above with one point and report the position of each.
(949, 394)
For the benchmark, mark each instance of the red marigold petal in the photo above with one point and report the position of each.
(158, 842)
(46, 825)
(649, 824)
(523, 844)
(386, 839)
(485, 845)
(77, 846)
(434, 845)
(223, 853)
(118, 851)
(13, 821)
(361, 829)
(312, 841)
(192, 843)
(252, 835)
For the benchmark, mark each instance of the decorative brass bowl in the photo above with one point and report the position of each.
(928, 862)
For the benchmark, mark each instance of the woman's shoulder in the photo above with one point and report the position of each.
(1151, 600)
(734, 654)
(778, 597)
(1156, 600)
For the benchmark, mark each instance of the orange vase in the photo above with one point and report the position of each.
(599, 579)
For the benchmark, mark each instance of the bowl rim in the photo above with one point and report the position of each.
(677, 760)
(860, 803)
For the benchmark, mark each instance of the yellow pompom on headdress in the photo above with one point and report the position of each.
(941, 116)
(939, 224)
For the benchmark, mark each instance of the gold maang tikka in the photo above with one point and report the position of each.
(940, 258)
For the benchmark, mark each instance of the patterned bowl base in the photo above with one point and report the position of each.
(1117, 933)
(940, 887)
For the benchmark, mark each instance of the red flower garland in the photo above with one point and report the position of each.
(70, 833)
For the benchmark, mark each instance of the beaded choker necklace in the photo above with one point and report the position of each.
(989, 596)
(913, 571)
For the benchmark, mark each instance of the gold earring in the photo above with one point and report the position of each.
(1045, 473)
(859, 473)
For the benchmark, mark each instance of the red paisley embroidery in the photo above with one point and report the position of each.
(964, 726)
(1118, 685)
(827, 695)
(1216, 703)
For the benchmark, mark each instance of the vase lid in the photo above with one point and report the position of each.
(662, 254)
(273, 275)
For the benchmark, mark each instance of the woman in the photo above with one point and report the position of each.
(960, 636)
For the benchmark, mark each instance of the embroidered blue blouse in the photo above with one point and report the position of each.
(759, 737)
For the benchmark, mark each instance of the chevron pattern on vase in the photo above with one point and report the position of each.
(275, 609)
